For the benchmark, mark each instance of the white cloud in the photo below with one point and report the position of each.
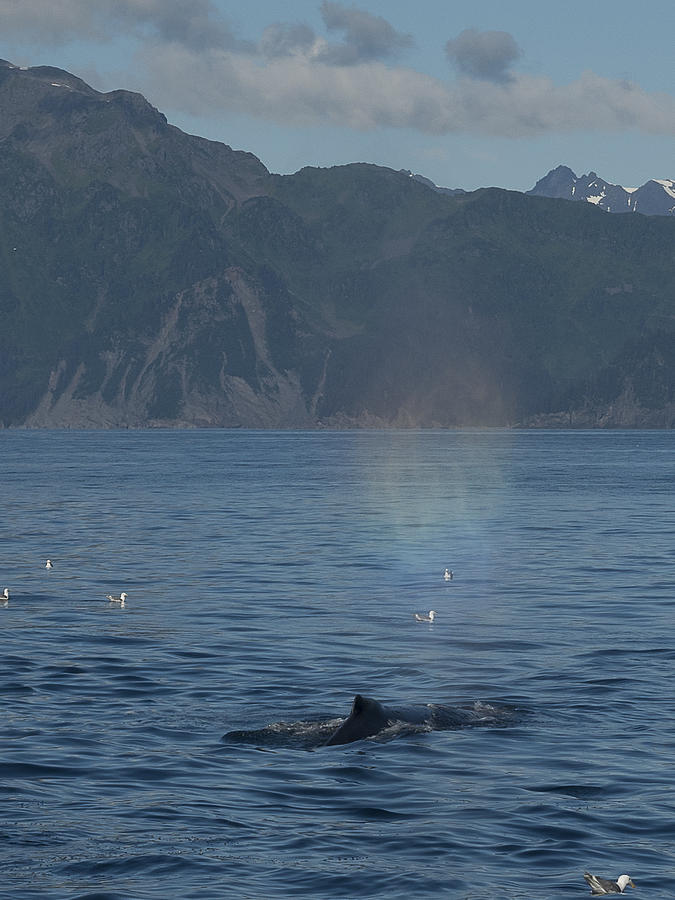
(299, 90)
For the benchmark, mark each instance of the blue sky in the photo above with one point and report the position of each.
(470, 94)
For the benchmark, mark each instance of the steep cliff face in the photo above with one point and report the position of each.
(148, 277)
(634, 391)
(120, 289)
(210, 360)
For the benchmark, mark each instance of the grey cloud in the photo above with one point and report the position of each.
(284, 40)
(367, 37)
(55, 23)
(197, 24)
(483, 54)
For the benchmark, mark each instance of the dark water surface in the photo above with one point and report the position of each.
(271, 576)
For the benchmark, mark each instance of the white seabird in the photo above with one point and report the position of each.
(420, 617)
(4, 597)
(122, 597)
(447, 575)
(48, 564)
(606, 885)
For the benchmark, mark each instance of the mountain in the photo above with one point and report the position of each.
(149, 277)
(654, 198)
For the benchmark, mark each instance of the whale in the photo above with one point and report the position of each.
(369, 717)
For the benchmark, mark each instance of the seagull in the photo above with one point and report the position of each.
(606, 886)
(48, 564)
(4, 597)
(420, 617)
(447, 575)
(122, 597)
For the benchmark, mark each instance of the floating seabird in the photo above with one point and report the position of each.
(48, 564)
(4, 597)
(420, 617)
(122, 597)
(606, 885)
(447, 575)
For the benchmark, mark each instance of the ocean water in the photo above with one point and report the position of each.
(173, 747)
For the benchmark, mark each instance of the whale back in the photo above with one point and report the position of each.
(366, 718)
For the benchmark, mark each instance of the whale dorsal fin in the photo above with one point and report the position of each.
(359, 704)
(362, 704)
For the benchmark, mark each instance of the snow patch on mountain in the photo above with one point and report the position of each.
(654, 198)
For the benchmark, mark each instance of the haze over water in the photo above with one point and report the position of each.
(273, 575)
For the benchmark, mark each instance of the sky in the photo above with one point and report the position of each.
(470, 93)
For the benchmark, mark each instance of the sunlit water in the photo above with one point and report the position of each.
(172, 748)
